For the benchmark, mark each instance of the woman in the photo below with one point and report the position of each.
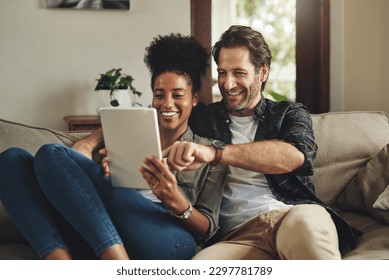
(59, 190)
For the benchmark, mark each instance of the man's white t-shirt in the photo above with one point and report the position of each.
(246, 193)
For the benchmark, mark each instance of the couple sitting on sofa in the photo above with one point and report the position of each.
(267, 205)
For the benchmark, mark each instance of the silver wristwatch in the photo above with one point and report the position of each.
(185, 215)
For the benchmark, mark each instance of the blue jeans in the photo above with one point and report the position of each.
(83, 197)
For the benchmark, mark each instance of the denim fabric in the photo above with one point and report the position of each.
(25, 202)
(287, 121)
(147, 229)
(35, 216)
(65, 179)
(77, 188)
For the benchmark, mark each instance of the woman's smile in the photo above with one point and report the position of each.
(169, 114)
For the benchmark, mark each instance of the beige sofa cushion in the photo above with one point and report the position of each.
(364, 189)
(373, 244)
(346, 141)
(29, 137)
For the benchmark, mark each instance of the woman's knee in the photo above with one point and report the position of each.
(47, 150)
(16, 168)
(15, 162)
(47, 153)
(14, 155)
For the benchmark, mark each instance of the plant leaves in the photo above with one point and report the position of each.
(115, 79)
(277, 96)
(114, 103)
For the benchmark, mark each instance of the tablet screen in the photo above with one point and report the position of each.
(130, 135)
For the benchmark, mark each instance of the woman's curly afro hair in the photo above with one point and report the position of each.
(183, 55)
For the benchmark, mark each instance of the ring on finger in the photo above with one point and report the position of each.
(155, 185)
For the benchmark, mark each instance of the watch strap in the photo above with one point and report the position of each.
(218, 156)
(219, 147)
(185, 215)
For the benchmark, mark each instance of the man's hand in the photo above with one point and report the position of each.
(84, 148)
(188, 155)
(87, 145)
(105, 162)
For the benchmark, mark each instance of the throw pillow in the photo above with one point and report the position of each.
(364, 189)
(382, 201)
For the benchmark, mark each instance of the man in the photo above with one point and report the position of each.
(269, 209)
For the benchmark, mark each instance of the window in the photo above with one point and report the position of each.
(312, 49)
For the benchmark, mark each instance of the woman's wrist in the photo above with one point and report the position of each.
(185, 214)
(179, 207)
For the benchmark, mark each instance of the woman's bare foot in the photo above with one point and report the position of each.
(58, 254)
(115, 252)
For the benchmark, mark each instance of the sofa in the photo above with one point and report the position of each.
(351, 174)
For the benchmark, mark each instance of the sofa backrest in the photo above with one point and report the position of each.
(346, 142)
(29, 137)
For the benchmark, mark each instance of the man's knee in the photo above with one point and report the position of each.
(232, 251)
(307, 232)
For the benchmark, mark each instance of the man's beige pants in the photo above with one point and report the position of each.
(302, 232)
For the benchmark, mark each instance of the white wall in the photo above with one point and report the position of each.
(49, 59)
(359, 55)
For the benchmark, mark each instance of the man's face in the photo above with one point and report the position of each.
(239, 85)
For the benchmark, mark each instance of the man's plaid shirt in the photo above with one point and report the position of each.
(287, 121)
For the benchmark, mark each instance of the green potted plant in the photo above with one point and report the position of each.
(119, 86)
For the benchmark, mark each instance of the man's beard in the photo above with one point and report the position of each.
(251, 95)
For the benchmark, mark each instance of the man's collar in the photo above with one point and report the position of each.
(259, 112)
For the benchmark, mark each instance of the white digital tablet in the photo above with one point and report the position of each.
(130, 135)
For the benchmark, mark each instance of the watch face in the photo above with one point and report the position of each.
(186, 215)
(219, 144)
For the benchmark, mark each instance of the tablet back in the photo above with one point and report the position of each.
(130, 134)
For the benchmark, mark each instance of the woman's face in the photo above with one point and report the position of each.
(173, 100)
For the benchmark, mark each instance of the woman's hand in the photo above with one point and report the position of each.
(104, 162)
(163, 183)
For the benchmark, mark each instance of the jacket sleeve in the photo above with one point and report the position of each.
(206, 191)
(209, 198)
(297, 130)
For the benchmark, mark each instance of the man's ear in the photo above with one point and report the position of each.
(264, 73)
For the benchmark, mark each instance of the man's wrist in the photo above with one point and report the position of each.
(219, 149)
